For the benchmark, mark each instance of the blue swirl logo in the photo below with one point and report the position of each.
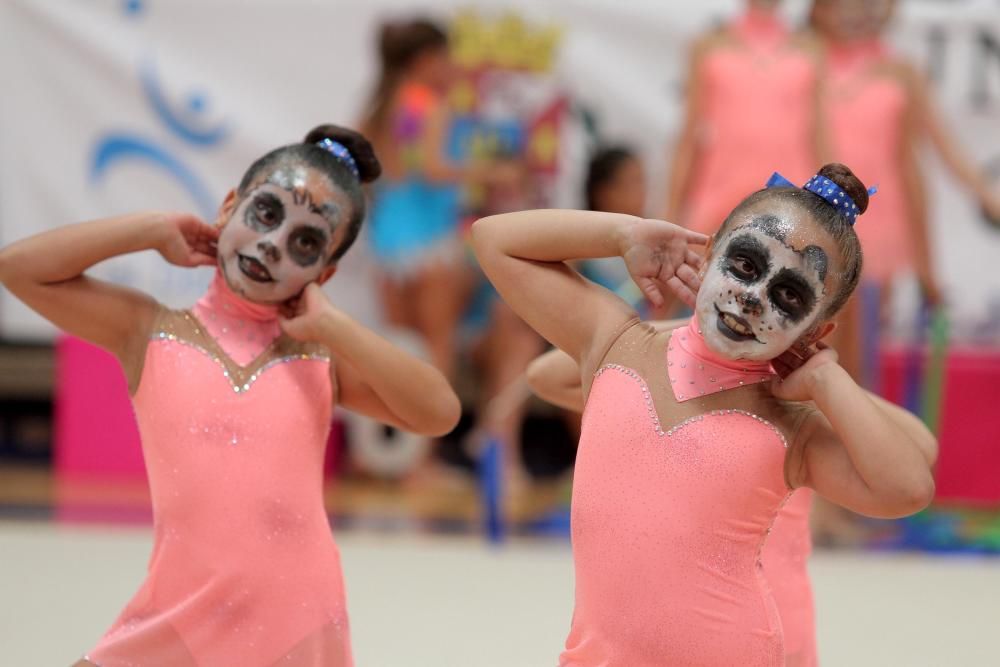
(186, 124)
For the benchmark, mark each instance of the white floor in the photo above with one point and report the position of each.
(442, 602)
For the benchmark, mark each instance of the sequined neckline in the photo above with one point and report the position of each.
(695, 370)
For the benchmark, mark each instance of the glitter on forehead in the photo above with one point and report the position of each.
(294, 179)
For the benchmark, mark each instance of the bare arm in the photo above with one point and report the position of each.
(915, 194)
(375, 377)
(686, 150)
(855, 451)
(929, 119)
(46, 272)
(555, 378)
(524, 255)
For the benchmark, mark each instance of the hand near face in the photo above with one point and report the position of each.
(303, 318)
(187, 241)
(799, 368)
(658, 257)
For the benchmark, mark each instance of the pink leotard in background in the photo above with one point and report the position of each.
(758, 107)
(867, 112)
(678, 480)
(785, 559)
(244, 571)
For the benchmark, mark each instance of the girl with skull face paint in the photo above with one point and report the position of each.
(233, 398)
(694, 437)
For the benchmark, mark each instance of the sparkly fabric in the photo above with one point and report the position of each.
(786, 559)
(244, 569)
(672, 501)
(694, 370)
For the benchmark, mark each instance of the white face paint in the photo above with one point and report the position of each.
(765, 285)
(282, 234)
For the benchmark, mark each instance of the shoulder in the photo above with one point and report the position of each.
(806, 42)
(711, 41)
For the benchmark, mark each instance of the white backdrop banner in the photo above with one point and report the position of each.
(117, 105)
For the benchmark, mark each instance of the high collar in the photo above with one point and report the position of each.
(760, 28)
(220, 298)
(243, 329)
(848, 56)
(695, 370)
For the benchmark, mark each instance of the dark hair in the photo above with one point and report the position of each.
(827, 216)
(315, 157)
(603, 167)
(399, 45)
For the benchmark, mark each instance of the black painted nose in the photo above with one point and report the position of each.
(270, 251)
(750, 304)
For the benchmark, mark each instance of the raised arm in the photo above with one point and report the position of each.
(685, 153)
(864, 454)
(524, 255)
(373, 376)
(46, 272)
(555, 378)
(929, 120)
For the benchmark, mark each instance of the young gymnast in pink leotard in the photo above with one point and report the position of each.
(689, 445)
(555, 377)
(233, 398)
(880, 110)
(751, 108)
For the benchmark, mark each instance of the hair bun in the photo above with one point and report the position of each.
(361, 149)
(842, 175)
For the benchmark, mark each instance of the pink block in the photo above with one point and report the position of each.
(968, 469)
(95, 430)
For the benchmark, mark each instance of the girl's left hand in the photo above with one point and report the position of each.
(657, 256)
(798, 369)
(302, 317)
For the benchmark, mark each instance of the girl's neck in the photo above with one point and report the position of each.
(242, 328)
(696, 370)
(760, 27)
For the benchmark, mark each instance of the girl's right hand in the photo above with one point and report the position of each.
(187, 241)
(657, 255)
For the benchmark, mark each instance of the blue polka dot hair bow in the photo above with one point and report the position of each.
(826, 189)
(339, 151)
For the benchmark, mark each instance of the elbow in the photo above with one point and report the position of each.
(914, 497)
(535, 376)
(921, 495)
(445, 417)
(482, 230)
(6, 266)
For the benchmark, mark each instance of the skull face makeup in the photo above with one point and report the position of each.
(766, 284)
(282, 234)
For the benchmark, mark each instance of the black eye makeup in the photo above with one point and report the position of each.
(791, 294)
(264, 212)
(746, 259)
(307, 245)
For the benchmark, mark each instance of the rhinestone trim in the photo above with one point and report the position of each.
(237, 387)
(651, 408)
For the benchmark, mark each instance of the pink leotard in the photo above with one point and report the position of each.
(758, 101)
(867, 118)
(677, 483)
(785, 559)
(244, 571)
